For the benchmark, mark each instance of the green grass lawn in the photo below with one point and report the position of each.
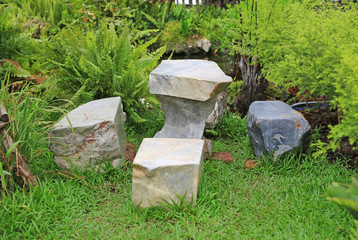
(268, 202)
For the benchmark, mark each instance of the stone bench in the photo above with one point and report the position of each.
(275, 129)
(90, 134)
(167, 170)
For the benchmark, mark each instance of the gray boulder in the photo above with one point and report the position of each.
(90, 134)
(275, 128)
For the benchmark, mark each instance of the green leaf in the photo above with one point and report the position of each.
(7, 155)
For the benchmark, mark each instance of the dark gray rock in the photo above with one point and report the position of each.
(275, 128)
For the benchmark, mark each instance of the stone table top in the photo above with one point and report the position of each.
(192, 79)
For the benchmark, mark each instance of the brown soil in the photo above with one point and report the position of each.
(130, 152)
(249, 163)
(222, 156)
(323, 118)
(18, 82)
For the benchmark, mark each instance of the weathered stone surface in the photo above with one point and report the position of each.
(275, 128)
(184, 118)
(90, 134)
(204, 44)
(217, 114)
(208, 148)
(164, 169)
(191, 79)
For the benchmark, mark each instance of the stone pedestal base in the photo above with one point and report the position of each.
(184, 118)
(165, 170)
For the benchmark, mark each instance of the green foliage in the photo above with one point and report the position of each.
(231, 127)
(171, 35)
(99, 64)
(346, 88)
(302, 44)
(310, 49)
(55, 12)
(355, 231)
(30, 120)
(8, 34)
(345, 195)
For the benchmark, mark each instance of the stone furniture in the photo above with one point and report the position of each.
(274, 128)
(167, 170)
(187, 91)
(90, 134)
(219, 110)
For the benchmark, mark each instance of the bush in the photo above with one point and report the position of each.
(309, 44)
(309, 48)
(99, 64)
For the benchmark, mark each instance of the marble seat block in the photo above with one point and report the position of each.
(165, 168)
(89, 134)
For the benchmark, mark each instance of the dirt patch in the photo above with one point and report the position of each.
(323, 118)
(21, 76)
(130, 152)
(250, 163)
(222, 156)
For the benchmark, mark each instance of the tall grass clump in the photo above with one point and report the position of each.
(54, 12)
(30, 119)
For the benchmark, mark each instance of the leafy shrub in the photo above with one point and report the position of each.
(347, 99)
(301, 44)
(309, 48)
(99, 64)
(171, 35)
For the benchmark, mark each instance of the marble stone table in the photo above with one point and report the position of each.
(187, 91)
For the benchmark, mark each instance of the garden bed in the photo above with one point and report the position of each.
(322, 119)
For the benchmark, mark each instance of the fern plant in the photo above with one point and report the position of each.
(100, 63)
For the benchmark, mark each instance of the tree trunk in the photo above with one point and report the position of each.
(197, 7)
(254, 86)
